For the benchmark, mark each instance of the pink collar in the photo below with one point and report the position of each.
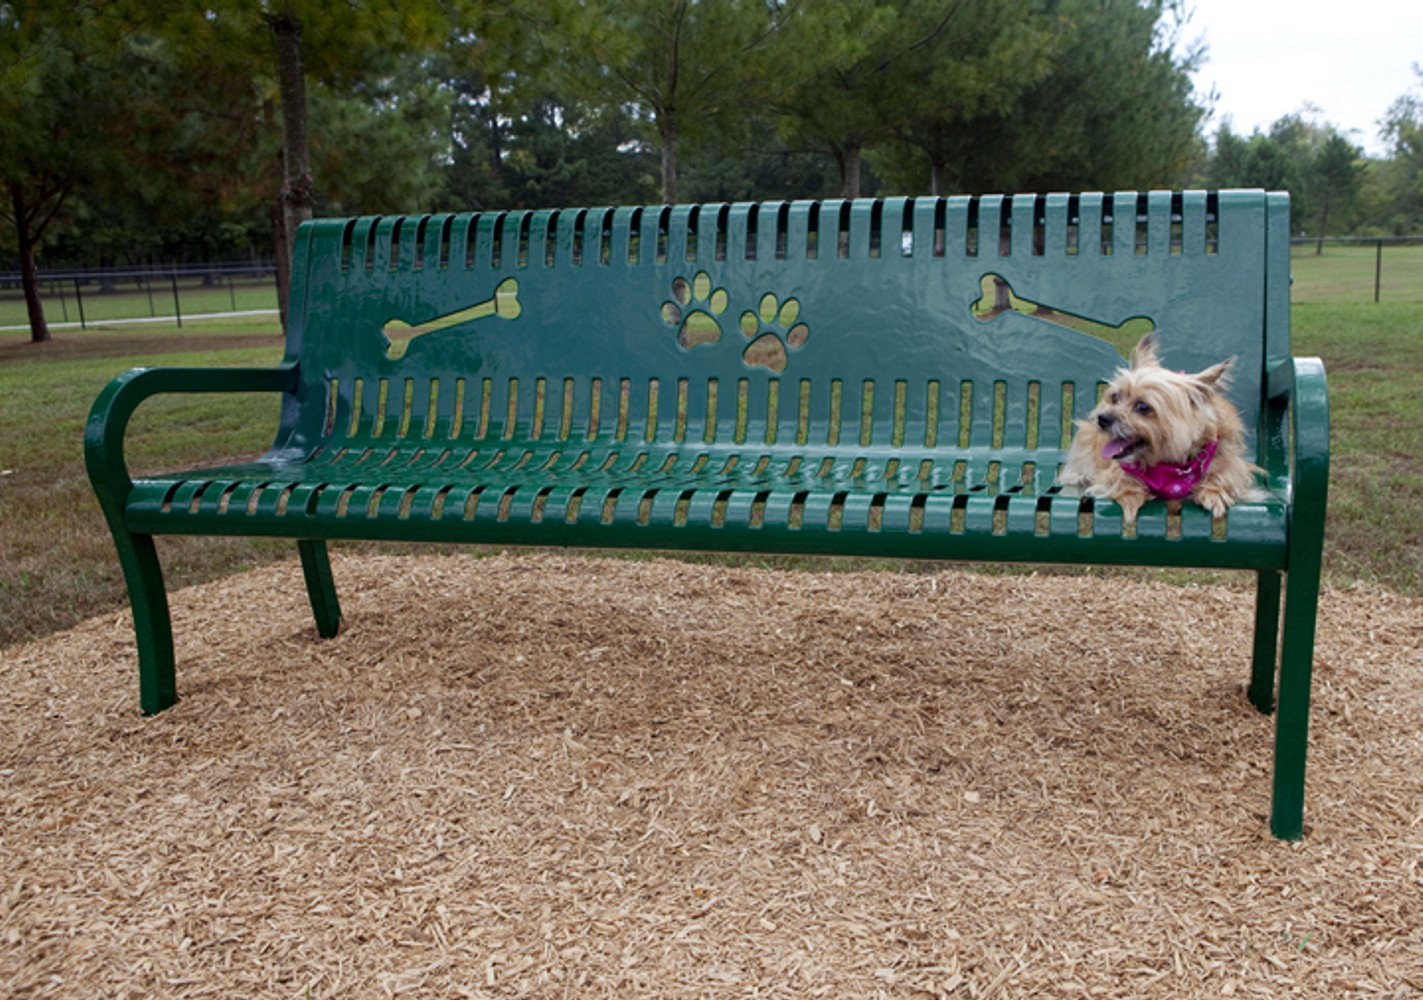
(1168, 481)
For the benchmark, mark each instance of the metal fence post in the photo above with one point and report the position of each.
(1378, 267)
(79, 298)
(177, 306)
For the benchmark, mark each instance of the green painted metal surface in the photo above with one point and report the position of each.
(827, 377)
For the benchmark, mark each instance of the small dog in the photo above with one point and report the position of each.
(1165, 435)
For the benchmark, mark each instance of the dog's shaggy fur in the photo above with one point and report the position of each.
(1151, 416)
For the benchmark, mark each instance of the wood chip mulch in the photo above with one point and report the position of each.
(548, 775)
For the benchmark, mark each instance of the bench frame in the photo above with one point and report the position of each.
(919, 480)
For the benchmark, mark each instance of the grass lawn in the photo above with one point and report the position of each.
(57, 564)
(1373, 357)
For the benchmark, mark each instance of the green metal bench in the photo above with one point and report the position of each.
(832, 377)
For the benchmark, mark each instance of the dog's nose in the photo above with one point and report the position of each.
(1105, 421)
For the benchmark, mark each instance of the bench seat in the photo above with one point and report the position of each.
(696, 499)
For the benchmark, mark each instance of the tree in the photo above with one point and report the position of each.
(1271, 161)
(687, 67)
(381, 146)
(514, 141)
(754, 166)
(304, 42)
(1226, 165)
(908, 72)
(1335, 180)
(1322, 170)
(149, 120)
(990, 63)
(833, 99)
(972, 95)
(1403, 180)
(60, 72)
(1116, 111)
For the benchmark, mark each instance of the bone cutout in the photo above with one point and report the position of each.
(988, 306)
(504, 303)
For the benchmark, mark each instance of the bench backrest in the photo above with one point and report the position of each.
(805, 325)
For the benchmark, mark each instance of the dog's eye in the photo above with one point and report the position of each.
(1115, 398)
(1143, 408)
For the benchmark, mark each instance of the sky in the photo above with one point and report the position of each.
(1268, 59)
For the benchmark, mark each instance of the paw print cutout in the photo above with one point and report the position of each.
(772, 330)
(694, 310)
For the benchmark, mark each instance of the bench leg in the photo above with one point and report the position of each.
(152, 626)
(320, 587)
(1292, 715)
(1267, 641)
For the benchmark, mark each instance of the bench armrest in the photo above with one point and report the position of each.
(109, 416)
(1297, 454)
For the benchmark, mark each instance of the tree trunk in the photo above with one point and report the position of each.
(936, 178)
(281, 258)
(1002, 297)
(29, 273)
(669, 160)
(297, 199)
(850, 170)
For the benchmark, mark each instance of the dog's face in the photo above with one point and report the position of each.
(1150, 415)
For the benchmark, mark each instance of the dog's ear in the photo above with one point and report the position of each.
(1216, 377)
(1211, 381)
(1143, 355)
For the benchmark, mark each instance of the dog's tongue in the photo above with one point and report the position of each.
(1115, 447)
